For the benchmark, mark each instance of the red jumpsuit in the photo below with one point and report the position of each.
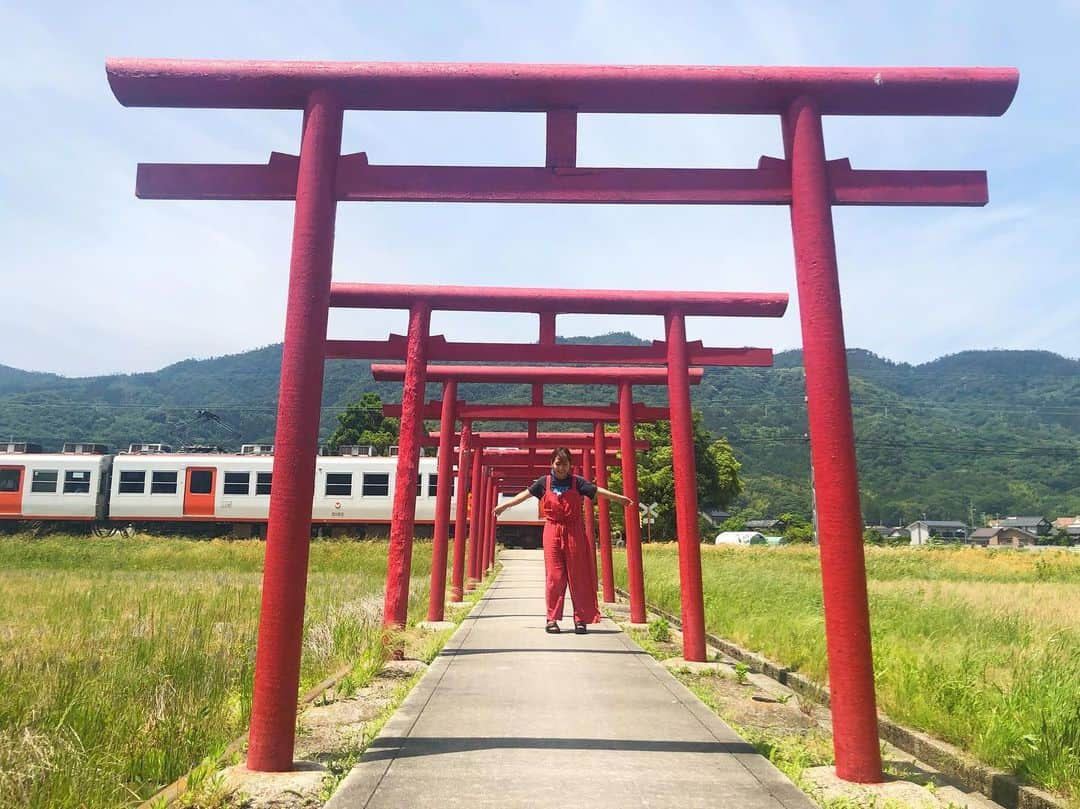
(567, 556)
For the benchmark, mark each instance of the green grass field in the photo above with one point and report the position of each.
(980, 649)
(124, 662)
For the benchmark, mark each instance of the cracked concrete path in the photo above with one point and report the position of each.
(508, 716)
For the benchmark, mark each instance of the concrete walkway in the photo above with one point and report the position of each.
(508, 716)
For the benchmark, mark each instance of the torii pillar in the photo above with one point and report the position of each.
(444, 487)
(281, 616)
(457, 576)
(403, 515)
(635, 572)
(607, 571)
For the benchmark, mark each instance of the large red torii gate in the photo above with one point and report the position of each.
(804, 180)
(547, 304)
(539, 376)
(627, 414)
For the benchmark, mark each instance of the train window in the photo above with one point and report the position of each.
(376, 484)
(9, 480)
(262, 482)
(432, 485)
(201, 482)
(44, 480)
(77, 481)
(419, 483)
(132, 482)
(339, 484)
(163, 483)
(237, 482)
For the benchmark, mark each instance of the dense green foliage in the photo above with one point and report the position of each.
(717, 475)
(981, 432)
(978, 648)
(363, 423)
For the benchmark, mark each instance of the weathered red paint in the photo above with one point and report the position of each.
(444, 485)
(564, 301)
(538, 375)
(571, 440)
(832, 449)
(360, 181)
(489, 525)
(506, 457)
(403, 515)
(587, 508)
(561, 141)
(512, 87)
(635, 572)
(439, 348)
(582, 413)
(607, 571)
(686, 503)
(457, 577)
(281, 615)
(476, 493)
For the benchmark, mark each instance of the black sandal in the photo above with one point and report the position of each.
(579, 628)
(552, 628)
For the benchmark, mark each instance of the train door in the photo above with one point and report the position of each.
(199, 491)
(11, 488)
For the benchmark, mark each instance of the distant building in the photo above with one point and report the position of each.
(740, 538)
(1040, 526)
(715, 515)
(922, 531)
(1001, 537)
(773, 526)
(889, 531)
(1065, 523)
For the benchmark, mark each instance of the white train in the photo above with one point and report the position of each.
(353, 493)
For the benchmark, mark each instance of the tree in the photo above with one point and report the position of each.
(363, 423)
(797, 527)
(717, 473)
(872, 537)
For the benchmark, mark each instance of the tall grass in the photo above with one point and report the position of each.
(990, 674)
(124, 662)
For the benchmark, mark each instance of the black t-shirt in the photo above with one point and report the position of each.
(539, 486)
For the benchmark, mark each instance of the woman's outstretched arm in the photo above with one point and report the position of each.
(520, 497)
(610, 495)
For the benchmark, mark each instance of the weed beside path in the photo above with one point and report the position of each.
(124, 662)
(961, 650)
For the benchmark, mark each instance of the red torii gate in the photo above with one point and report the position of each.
(627, 414)
(804, 180)
(421, 301)
(595, 441)
(517, 467)
(539, 376)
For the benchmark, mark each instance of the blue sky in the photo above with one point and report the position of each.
(101, 282)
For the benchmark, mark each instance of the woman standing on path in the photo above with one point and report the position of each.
(566, 549)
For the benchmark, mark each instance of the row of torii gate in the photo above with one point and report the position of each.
(321, 176)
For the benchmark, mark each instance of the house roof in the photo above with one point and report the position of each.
(939, 524)
(1018, 522)
(762, 523)
(988, 533)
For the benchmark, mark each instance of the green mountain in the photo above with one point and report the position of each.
(980, 432)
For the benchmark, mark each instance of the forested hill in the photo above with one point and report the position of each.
(980, 432)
